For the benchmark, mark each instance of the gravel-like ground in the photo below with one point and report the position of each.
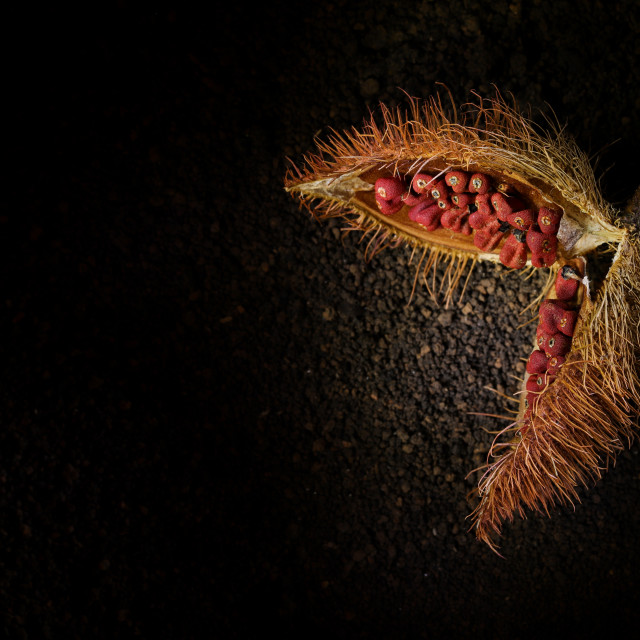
(215, 413)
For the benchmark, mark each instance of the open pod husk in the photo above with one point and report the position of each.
(588, 413)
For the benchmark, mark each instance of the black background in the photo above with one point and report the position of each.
(214, 413)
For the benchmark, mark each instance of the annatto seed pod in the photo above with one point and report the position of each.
(580, 398)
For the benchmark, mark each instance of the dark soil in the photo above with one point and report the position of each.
(215, 413)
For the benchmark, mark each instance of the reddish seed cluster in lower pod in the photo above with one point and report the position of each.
(558, 318)
(468, 203)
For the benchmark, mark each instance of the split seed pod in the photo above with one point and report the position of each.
(579, 408)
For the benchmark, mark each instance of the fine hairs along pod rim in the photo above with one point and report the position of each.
(491, 185)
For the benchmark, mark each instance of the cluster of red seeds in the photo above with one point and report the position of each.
(468, 203)
(558, 319)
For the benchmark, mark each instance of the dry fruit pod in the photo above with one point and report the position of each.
(494, 186)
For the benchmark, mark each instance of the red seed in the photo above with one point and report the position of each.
(444, 203)
(494, 225)
(549, 220)
(521, 219)
(538, 382)
(514, 251)
(479, 220)
(453, 219)
(389, 207)
(542, 260)
(488, 237)
(448, 219)
(538, 362)
(457, 180)
(412, 198)
(426, 215)
(555, 362)
(567, 283)
(479, 183)
(558, 344)
(504, 205)
(543, 248)
(542, 337)
(485, 240)
(422, 183)
(506, 188)
(439, 190)
(531, 401)
(389, 188)
(555, 317)
(461, 199)
(567, 323)
(483, 203)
